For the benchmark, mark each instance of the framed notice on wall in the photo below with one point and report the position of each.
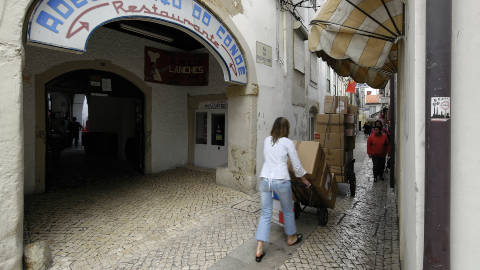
(175, 68)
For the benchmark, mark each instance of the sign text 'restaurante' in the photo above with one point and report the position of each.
(69, 23)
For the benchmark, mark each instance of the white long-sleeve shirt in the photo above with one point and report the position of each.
(276, 157)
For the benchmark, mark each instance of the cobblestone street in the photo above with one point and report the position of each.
(180, 219)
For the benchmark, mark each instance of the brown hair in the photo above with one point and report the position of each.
(281, 128)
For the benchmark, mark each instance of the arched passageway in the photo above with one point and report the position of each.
(93, 131)
(39, 65)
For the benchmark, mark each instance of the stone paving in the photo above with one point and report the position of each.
(180, 219)
(362, 232)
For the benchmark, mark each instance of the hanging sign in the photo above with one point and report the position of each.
(68, 24)
(175, 68)
(440, 109)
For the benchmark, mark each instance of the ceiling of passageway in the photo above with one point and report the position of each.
(180, 39)
(80, 82)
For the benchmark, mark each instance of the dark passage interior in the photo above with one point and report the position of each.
(95, 128)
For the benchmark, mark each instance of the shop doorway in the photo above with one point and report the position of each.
(95, 128)
(210, 138)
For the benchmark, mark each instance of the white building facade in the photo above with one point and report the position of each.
(274, 76)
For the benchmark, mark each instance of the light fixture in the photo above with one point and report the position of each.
(145, 33)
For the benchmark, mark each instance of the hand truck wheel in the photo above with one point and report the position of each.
(322, 214)
(353, 185)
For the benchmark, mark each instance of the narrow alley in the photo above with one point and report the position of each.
(181, 219)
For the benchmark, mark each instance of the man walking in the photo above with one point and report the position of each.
(74, 128)
(377, 149)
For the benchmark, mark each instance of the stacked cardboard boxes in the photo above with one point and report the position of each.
(313, 161)
(336, 104)
(336, 133)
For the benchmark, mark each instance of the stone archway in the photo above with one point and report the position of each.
(206, 21)
(242, 111)
(40, 129)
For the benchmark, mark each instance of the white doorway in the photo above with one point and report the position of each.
(211, 138)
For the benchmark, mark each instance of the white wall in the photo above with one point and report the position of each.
(465, 160)
(465, 202)
(18, 66)
(283, 91)
(11, 134)
(411, 136)
(169, 103)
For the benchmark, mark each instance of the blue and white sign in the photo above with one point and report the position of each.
(69, 23)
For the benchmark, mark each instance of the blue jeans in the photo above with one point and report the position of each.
(284, 191)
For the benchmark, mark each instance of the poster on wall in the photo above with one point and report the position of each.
(175, 68)
(440, 109)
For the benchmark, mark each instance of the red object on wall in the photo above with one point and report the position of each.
(351, 87)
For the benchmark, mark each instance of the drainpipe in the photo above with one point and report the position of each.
(437, 135)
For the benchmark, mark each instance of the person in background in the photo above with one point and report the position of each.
(74, 128)
(377, 149)
(383, 128)
(277, 148)
(366, 129)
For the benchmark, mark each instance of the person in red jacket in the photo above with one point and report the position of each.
(377, 149)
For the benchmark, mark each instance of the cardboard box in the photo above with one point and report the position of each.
(342, 105)
(330, 119)
(330, 104)
(322, 129)
(324, 185)
(336, 104)
(331, 140)
(352, 109)
(350, 132)
(311, 157)
(349, 119)
(334, 157)
(322, 166)
(327, 189)
(339, 178)
(337, 170)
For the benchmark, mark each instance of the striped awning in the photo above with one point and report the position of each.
(357, 38)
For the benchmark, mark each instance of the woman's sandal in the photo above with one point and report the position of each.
(299, 239)
(259, 259)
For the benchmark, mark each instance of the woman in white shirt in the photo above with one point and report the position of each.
(277, 148)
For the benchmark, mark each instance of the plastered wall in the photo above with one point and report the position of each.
(283, 91)
(411, 136)
(465, 161)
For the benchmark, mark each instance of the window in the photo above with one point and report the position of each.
(328, 85)
(298, 52)
(201, 128)
(218, 129)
